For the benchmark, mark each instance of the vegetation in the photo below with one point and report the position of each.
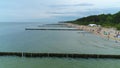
(105, 20)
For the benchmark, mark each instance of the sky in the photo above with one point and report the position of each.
(54, 10)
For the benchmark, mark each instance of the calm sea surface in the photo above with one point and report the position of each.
(14, 38)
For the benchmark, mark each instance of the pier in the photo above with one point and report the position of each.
(53, 29)
(58, 55)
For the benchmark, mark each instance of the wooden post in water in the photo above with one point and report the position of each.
(48, 54)
(59, 55)
(22, 54)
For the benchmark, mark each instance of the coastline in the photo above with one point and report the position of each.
(109, 33)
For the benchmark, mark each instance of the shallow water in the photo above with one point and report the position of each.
(16, 62)
(14, 38)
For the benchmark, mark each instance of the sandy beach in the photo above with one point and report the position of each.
(109, 33)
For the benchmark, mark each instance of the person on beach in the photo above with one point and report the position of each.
(99, 30)
(108, 35)
(118, 35)
(105, 33)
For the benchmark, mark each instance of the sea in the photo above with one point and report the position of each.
(14, 38)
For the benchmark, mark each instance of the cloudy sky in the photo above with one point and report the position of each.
(53, 10)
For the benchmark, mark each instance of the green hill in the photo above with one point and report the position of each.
(105, 20)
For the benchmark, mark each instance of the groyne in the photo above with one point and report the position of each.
(53, 29)
(58, 55)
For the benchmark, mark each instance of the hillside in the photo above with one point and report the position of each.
(105, 20)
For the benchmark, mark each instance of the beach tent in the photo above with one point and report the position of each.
(92, 25)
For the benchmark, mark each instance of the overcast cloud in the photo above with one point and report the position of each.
(53, 10)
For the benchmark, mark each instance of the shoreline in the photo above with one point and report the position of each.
(109, 33)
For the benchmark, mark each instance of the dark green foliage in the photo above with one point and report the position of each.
(105, 20)
(118, 26)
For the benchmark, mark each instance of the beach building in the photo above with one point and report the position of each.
(92, 25)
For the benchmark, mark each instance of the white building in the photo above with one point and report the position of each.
(92, 25)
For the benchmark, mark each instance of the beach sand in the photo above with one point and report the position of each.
(109, 33)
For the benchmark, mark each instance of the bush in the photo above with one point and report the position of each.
(118, 27)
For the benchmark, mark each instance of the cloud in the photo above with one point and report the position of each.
(72, 15)
(54, 9)
(84, 4)
(72, 5)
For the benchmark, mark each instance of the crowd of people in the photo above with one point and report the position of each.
(110, 33)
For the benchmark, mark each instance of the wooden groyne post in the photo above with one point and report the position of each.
(53, 29)
(59, 55)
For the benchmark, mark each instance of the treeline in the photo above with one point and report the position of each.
(105, 20)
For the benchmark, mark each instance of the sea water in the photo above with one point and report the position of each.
(16, 62)
(14, 38)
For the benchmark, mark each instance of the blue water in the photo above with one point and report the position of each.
(14, 38)
(15, 62)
